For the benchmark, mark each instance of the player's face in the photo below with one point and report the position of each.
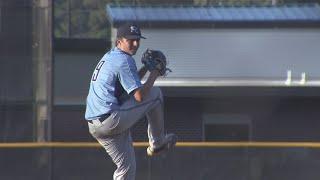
(129, 46)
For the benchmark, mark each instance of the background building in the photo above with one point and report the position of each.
(229, 70)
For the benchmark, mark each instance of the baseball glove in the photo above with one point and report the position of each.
(154, 59)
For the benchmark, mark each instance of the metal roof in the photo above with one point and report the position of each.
(214, 14)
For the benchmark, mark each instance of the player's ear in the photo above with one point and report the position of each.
(118, 40)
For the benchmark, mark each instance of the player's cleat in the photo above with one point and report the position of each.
(169, 143)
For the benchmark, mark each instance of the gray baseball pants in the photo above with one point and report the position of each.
(114, 132)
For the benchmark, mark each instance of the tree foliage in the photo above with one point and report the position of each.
(87, 18)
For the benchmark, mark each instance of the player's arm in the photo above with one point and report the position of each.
(142, 72)
(140, 93)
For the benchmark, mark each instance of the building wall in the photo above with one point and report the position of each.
(217, 53)
(72, 74)
(247, 113)
(271, 113)
(237, 53)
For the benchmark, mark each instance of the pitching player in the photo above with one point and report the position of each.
(117, 100)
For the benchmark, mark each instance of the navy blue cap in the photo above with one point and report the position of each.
(129, 31)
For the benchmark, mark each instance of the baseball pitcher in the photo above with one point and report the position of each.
(117, 100)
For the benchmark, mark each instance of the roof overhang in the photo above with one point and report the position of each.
(293, 15)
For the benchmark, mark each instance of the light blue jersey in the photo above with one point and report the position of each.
(116, 71)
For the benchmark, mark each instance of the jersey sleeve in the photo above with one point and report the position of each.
(128, 75)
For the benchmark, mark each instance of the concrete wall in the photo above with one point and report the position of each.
(184, 163)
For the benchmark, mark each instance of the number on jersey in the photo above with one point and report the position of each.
(97, 70)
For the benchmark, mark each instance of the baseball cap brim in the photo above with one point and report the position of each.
(134, 37)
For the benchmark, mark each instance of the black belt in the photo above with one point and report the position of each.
(101, 118)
